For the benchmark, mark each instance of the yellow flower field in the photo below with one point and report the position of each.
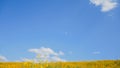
(87, 64)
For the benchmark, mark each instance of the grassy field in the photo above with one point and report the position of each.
(87, 64)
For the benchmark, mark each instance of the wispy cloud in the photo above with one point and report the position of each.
(66, 33)
(70, 52)
(96, 52)
(106, 5)
(3, 58)
(26, 59)
(56, 58)
(61, 53)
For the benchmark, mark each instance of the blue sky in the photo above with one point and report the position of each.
(78, 28)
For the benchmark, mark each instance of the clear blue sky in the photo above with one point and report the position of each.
(76, 27)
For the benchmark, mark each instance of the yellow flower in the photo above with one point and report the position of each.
(41, 66)
(25, 63)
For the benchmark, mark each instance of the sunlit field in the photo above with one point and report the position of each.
(86, 64)
(59, 33)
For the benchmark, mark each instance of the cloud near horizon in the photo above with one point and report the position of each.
(3, 58)
(45, 54)
(96, 52)
(106, 5)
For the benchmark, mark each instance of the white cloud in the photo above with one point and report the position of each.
(106, 5)
(96, 52)
(26, 59)
(2, 59)
(43, 51)
(45, 54)
(56, 58)
(61, 53)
